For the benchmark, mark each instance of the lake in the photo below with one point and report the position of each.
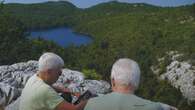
(63, 36)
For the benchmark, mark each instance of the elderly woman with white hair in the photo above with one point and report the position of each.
(38, 93)
(125, 77)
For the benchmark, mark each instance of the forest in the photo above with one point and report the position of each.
(139, 31)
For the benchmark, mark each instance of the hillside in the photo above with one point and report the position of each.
(43, 15)
(138, 31)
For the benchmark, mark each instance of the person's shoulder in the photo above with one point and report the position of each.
(94, 99)
(148, 104)
(45, 92)
(97, 100)
(94, 102)
(41, 87)
(46, 88)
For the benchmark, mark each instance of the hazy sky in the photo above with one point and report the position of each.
(88, 3)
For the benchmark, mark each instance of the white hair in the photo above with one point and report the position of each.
(50, 61)
(126, 71)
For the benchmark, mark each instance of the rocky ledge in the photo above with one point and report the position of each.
(179, 72)
(14, 77)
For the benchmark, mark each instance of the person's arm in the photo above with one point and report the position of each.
(81, 105)
(68, 106)
(61, 89)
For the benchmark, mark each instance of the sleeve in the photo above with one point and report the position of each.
(165, 106)
(52, 99)
(162, 106)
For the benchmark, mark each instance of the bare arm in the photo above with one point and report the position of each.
(61, 89)
(81, 105)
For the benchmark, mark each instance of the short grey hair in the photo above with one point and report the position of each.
(126, 71)
(50, 61)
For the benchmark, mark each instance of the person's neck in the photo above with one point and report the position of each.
(123, 89)
(41, 75)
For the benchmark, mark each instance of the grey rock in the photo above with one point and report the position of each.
(14, 105)
(180, 74)
(97, 87)
(8, 93)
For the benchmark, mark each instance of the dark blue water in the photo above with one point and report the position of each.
(63, 36)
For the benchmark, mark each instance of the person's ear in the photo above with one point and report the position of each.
(113, 82)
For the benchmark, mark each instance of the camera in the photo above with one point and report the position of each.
(85, 96)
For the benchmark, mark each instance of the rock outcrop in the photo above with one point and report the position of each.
(180, 73)
(14, 77)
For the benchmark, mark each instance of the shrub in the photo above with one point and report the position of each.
(91, 74)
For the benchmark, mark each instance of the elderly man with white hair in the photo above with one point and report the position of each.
(125, 78)
(38, 93)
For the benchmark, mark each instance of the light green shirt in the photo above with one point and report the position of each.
(118, 101)
(37, 95)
